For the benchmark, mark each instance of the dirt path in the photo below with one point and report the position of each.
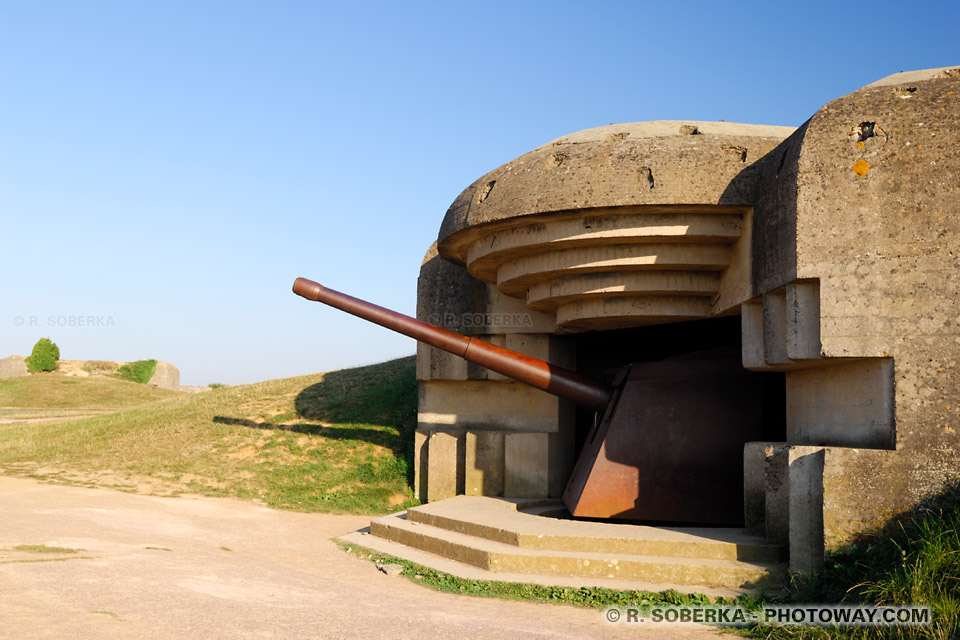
(14, 416)
(153, 567)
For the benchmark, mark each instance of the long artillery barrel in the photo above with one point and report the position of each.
(531, 371)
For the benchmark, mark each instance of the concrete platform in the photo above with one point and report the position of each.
(511, 540)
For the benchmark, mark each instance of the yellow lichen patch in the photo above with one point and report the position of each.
(861, 167)
(860, 145)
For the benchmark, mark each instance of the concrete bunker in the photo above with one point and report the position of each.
(809, 274)
(624, 245)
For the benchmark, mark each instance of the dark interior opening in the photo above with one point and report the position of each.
(600, 354)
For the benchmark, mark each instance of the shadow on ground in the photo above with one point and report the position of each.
(376, 404)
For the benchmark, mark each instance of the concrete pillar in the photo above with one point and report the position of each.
(751, 331)
(754, 487)
(777, 498)
(805, 477)
(562, 454)
(775, 328)
(484, 463)
(444, 464)
(420, 452)
(766, 491)
(803, 320)
(526, 465)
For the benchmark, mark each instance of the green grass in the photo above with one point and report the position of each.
(56, 391)
(41, 548)
(338, 442)
(914, 561)
(140, 371)
(592, 597)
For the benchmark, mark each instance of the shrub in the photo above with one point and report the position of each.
(44, 356)
(140, 371)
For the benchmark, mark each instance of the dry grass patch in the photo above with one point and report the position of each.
(56, 391)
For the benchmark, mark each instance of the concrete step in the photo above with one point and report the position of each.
(362, 538)
(523, 523)
(498, 557)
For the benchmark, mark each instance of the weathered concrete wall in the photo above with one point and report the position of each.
(863, 202)
(640, 163)
(864, 488)
(478, 432)
(167, 376)
(13, 367)
(847, 405)
(877, 224)
(775, 217)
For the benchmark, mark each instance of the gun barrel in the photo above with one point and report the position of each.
(531, 371)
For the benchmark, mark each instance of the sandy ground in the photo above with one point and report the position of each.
(153, 567)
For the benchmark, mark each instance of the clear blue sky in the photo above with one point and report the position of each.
(170, 167)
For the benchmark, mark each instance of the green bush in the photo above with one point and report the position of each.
(44, 356)
(140, 371)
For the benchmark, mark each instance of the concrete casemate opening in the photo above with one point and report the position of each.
(700, 407)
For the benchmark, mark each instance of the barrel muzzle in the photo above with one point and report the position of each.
(307, 289)
(531, 371)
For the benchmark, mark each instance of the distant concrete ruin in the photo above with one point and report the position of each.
(827, 257)
(166, 375)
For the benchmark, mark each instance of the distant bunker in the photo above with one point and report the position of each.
(783, 303)
(165, 376)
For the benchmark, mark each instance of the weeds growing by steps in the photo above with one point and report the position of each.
(592, 597)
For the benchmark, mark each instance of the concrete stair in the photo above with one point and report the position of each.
(517, 537)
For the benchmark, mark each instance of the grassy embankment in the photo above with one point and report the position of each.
(52, 391)
(337, 442)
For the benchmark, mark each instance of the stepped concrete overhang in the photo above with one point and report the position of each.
(617, 226)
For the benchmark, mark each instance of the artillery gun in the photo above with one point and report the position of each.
(666, 443)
